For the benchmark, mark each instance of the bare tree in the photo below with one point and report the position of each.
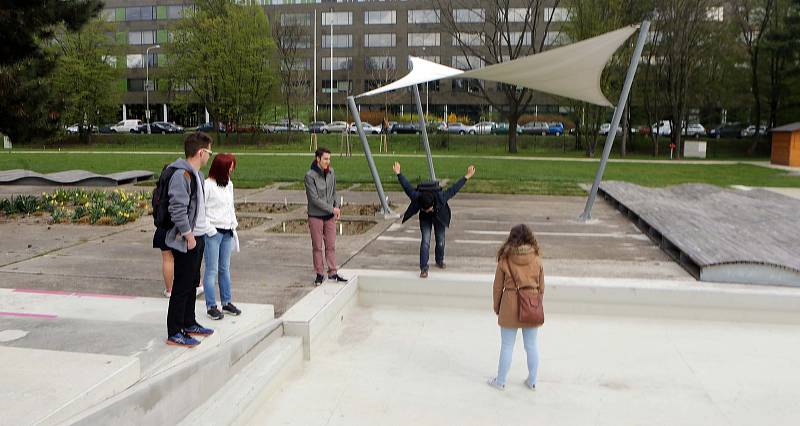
(290, 37)
(381, 71)
(685, 33)
(752, 17)
(500, 31)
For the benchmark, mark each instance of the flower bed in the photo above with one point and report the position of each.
(116, 207)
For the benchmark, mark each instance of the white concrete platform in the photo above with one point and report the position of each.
(47, 387)
(401, 356)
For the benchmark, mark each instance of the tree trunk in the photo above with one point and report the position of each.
(513, 118)
(757, 98)
(625, 129)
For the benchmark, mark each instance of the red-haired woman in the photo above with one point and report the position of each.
(221, 216)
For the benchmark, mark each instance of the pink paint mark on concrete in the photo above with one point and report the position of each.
(105, 296)
(36, 291)
(27, 315)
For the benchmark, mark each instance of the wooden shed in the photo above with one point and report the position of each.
(786, 145)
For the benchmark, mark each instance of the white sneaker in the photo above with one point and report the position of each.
(493, 383)
(166, 293)
(198, 291)
(529, 385)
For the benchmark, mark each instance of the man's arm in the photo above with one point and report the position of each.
(407, 188)
(313, 198)
(453, 189)
(179, 193)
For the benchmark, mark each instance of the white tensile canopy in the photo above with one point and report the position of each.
(572, 71)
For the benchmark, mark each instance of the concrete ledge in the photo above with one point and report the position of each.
(172, 393)
(237, 399)
(605, 296)
(325, 306)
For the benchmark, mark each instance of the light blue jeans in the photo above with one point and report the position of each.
(508, 336)
(217, 257)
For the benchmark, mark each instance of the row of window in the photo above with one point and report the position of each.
(145, 13)
(426, 16)
(552, 38)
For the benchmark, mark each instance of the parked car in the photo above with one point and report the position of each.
(535, 128)
(404, 128)
(442, 127)
(209, 127)
(334, 127)
(460, 128)
(555, 128)
(502, 129)
(606, 127)
(730, 130)
(126, 126)
(369, 129)
(106, 128)
(750, 130)
(73, 129)
(160, 127)
(316, 126)
(694, 129)
(662, 128)
(484, 127)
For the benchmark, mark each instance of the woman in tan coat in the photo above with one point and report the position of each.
(518, 265)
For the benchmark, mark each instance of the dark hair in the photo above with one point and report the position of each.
(195, 142)
(221, 168)
(520, 235)
(322, 150)
(426, 199)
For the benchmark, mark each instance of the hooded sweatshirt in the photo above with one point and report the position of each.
(183, 213)
(527, 270)
(321, 191)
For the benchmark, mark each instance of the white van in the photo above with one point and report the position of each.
(126, 126)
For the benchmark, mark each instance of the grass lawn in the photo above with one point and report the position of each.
(484, 145)
(493, 175)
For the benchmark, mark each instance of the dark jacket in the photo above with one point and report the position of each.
(441, 210)
(320, 192)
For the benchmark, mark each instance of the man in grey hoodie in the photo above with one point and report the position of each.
(187, 212)
(323, 212)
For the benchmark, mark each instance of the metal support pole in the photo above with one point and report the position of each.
(351, 102)
(623, 98)
(424, 133)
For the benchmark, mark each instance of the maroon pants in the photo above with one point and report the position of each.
(323, 231)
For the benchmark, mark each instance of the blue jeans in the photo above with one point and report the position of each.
(425, 225)
(218, 262)
(508, 336)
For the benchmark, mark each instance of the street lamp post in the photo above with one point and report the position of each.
(147, 84)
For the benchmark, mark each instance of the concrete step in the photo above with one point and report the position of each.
(589, 295)
(238, 397)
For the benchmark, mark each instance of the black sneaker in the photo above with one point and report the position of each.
(337, 278)
(318, 281)
(231, 310)
(441, 265)
(215, 314)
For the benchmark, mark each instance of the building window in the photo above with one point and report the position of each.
(141, 37)
(716, 13)
(177, 12)
(519, 15)
(435, 59)
(381, 63)
(556, 38)
(427, 16)
(144, 13)
(380, 17)
(109, 15)
(423, 39)
(557, 14)
(296, 64)
(337, 18)
(303, 19)
(465, 85)
(515, 36)
(468, 15)
(467, 62)
(337, 63)
(136, 85)
(338, 86)
(467, 39)
(339, 40)
(379, 40)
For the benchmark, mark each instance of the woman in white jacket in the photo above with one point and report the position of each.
(222, 239)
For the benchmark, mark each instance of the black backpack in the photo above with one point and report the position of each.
(160, 199)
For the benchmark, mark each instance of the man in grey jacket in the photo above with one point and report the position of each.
(323, 212)
(187, 212)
